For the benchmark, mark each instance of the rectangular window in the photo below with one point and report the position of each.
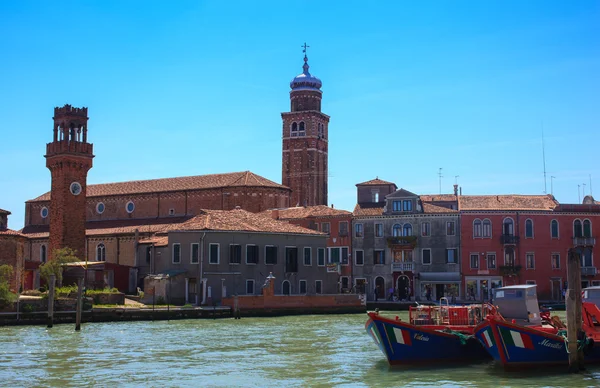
(358, 230)
(451, 255)
(426, 256)
(586, 258)
(307, 256)
(213, 257)
(397, 206)
(555, 258)
(195, 253)
(321, 257)
(148, 255)
(334, 255)
(531, 282)
(530, 260)
(251, 254)
(345, 283)
(176, 253)
(344, 255)
(378, 230)
(450, 228)
(407, 205)
(359, 257)
(291, 259)
(425, 229)
(326, 227)
(302, 286)
(491, 261)
(235, 254)
(378, 257)
(343, 228)
(475, 260)
(249, 287)
(318, 287)
(375, 196)
(270, 255)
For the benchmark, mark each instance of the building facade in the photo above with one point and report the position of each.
(12, 252)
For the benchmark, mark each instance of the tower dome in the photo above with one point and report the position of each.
(306, 81)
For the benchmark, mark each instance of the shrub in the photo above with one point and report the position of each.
(54, 266)
(187, 306)
(65, 291)
(6, 297)
(27, 308)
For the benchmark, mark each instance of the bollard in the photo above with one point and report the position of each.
(51, 300)
(79, 304)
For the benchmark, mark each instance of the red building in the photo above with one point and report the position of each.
(523, 239)
(337, 224)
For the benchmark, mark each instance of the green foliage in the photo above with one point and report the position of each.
(65, 291)
(54, 266)
(27, 308)
(104, 291)
(187, 306)
(6, 297)
(141, 294)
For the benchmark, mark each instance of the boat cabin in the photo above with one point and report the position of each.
(592, 295)
(518, 303)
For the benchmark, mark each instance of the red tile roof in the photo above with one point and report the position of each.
(239, 220)
(305, 212)
(431, 208)
(2, 211)
(158, 241)
(438, 197)
(10, 232)
(506, 202)
(375, 182)
(198, 182)
(365, 209)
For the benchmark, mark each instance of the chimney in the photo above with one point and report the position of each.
(455, 189)
(275, 214)
(332, 206)
(460, 191)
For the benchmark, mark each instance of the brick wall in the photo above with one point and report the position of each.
(12, 251)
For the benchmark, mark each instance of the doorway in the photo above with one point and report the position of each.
(439, 291)
(285, 287)
(380, 286)
(403, 287)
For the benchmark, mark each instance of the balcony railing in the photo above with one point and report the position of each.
(510, 270)
(584, 241)
(403, 266)
(509, 239)
(588, 271)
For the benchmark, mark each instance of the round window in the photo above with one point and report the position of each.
(100, 208)
(75, 188)
(44, 212)
(130, 207)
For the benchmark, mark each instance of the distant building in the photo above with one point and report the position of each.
(12, 251)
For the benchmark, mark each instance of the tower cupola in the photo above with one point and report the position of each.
(306, 81)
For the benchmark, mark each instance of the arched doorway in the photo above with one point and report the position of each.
(285, 287)
(403, 287)
(380, 286)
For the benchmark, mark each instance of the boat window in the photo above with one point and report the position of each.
(499, 294)
(531, 292)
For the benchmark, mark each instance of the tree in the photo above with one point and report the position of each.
(55, 266)
(6, 296)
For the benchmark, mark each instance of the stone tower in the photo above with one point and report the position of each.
(305, 137)
(69, 158)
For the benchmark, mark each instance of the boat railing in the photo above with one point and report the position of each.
(446, 315)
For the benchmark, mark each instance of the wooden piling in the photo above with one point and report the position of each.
(573, 305)
(79, 304)
(51, 284)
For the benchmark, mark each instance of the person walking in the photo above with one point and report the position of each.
(375, 292)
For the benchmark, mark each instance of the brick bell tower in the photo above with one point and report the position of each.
(305, 137)
(69, 158)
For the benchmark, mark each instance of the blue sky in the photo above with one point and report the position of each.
(192, 87)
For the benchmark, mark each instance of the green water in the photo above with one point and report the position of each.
(317, 350)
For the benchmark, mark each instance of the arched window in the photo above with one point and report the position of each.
(294, 129)
(554, 228)
(577, 229)
(477, 228)
(529, 228)
(301, 128)
(508, 227)
(587, 228)
(487, 228)
(100, 252)
(285, 287)
(397, 230)
(407, 230)
(43, 257)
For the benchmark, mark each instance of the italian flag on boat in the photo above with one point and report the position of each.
(398, 335)
(515, 338)
(488, 337)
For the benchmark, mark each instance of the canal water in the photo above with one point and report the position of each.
(315, 350)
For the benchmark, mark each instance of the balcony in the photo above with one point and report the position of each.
(509, 239)
(406, 241)
(584, 241)
(510, 270)
(403, 266)
(588, 271)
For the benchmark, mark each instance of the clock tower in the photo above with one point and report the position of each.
(305, 141)
(69, 158)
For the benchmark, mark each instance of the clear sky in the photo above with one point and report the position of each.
(178, 88)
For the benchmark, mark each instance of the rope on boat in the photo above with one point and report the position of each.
(582, 344)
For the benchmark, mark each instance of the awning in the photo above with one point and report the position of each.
(440, 277)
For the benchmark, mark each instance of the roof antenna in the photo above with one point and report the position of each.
(544, 158)
(591, 193)
(578, 193)
(440, 176)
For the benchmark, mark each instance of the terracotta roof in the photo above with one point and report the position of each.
(375, 182)
(2, 211)
(431, 208)
(10, 232)
(506, 202)
(366, 209)
(100, 228)
(578, 208)
(239, 220)
(158, 241)
(305, 212)
(438, 197)
(198, 182)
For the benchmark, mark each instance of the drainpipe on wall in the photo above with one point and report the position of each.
(200, 282)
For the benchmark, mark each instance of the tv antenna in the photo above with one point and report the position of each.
(578, 193)
(440, 177)
(551, 185)
(544, 159)
(591, 193)
(456, 179)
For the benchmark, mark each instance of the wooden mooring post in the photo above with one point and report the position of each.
(51, 284)
(79, 304)
(573, 302)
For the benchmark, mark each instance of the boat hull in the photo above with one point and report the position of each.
(404, 343)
